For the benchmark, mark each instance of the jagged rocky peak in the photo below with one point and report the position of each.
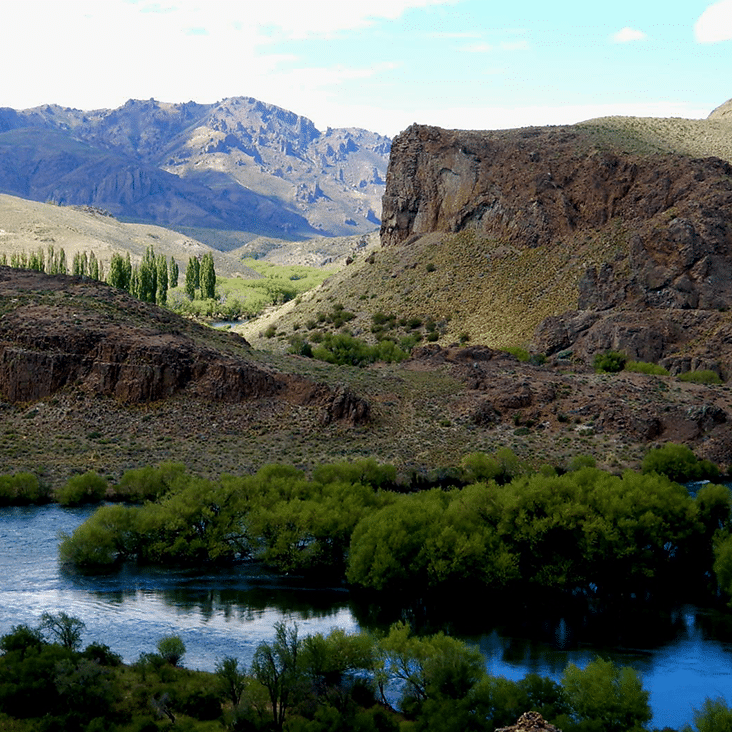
(237, 164)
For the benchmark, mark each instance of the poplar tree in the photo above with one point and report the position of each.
(173, 274)
(162, 280)
(208, 277)
(190, 285)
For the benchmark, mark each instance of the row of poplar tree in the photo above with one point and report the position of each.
(149, 281)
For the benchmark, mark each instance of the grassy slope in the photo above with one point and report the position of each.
(29, 225)
(492, 293)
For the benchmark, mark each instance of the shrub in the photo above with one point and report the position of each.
(610, 362)
(88, 487)
(20, 488)
(300, 347)
(643, 367)
(678, 463)
(611, 696)
(171, 649)
(343, 349)
(714, 716)
(520, 353)
(581, 461)
(148, 483)
(702, 376)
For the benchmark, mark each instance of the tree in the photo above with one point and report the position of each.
(678, 463)
(171, 649)
(93, 265)
(65, 629)
(610, 695)
(207, 277)
(190, 283)
(714, 716)
(20, 639)
(435, 667)
(120, 271)
(162, 280)
(173, 273)
(148, 277)
(232, 679)
(278, 668)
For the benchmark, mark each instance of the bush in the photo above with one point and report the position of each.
(608, 694)
(701, 377)
(19, 489)
(345, 350)
(88, 487)
(714, 716)
(520, 353)
(643, 367)
(610, 362)
(171, 649)
(678, 463)
(148, 483)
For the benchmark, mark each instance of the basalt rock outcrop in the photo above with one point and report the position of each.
(651, 234)
(60, 332)
(530, 722)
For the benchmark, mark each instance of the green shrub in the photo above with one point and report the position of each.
(520, 353)
(20, 489)
(643, 367)
(148, 483)
(702, 376)
(678, 463)
(300, 347)
(581, 461)
(714, 716)
(345, 350)
(610, 362)
(610, 696)
(172, 649)
(88, 487)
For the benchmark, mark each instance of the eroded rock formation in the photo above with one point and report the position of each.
(655, 231)
(59, 332)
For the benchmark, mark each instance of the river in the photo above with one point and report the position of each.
(684, 655)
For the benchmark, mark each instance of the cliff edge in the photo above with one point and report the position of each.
(648, 236)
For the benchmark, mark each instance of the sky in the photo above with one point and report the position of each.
(376, 64)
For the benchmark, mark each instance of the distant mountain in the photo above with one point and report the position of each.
(239, 164)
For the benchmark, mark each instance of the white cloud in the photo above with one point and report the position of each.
(293, 19)
(628, 35)
(715, 23)
(477, 48)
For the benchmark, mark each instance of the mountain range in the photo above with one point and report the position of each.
(239, 164)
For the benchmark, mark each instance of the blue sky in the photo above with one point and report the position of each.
(378, 64)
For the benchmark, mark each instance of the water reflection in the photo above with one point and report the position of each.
(684, 653)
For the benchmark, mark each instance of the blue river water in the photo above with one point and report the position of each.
(229, 613)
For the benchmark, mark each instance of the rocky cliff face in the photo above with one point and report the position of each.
(60, 332)
(663, 223)
(239, 164)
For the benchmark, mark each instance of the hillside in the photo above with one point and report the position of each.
(493, 234)
(239, 164)
(26, 226)
(93, 379)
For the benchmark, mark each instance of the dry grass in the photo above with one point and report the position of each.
(695, 137)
